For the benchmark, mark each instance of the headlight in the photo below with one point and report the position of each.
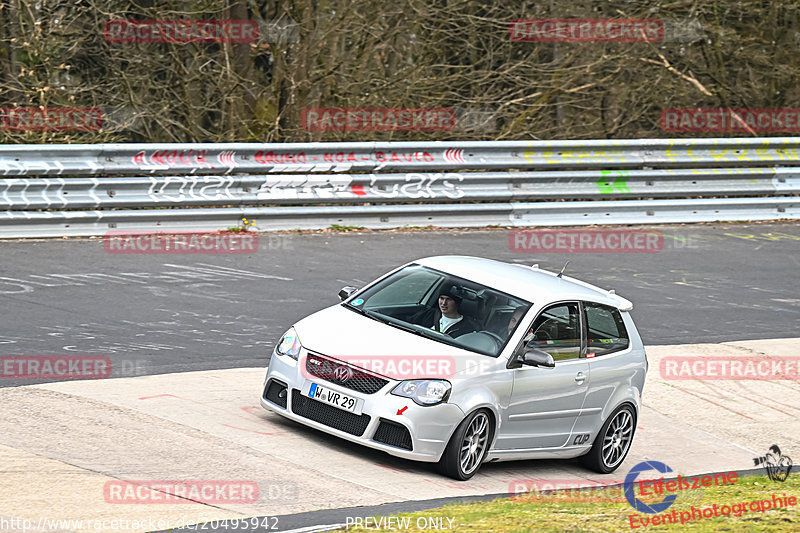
(289, 344)
(424, 391)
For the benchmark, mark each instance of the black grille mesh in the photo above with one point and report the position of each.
(393, 434)
(329, 415)
(359, 380)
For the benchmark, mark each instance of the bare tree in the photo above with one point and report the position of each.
(451, 54)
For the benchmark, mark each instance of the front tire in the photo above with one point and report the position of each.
(468, 446)
(613, 442)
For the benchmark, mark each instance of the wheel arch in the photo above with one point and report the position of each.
(493, 426)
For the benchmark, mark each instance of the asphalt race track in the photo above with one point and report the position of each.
(189, 338)
(155, 314)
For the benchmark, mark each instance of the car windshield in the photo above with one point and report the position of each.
(444, 308)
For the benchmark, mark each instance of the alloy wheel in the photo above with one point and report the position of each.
(473, 446)
(618, 438)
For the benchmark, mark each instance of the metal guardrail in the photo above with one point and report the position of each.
(124, 159)
(53, 190)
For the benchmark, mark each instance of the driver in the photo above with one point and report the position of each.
(447, 318)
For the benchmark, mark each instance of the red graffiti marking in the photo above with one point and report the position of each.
(163, 396)
(300, 158)
(341, 157)
(401, 157)
(173, 158)
(389, 468)
(358, 190)
(271, 158)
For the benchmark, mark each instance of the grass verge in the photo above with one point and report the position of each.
(559, 512)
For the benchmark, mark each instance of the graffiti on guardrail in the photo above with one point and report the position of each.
(210, 188)
(107, 177)
(39, 167)
(404, 157)
(409, 185)
(166, 158)
(301, 158)
(416, 186)
(551, 157)
(172, 158)
(613, 181)
(676, 152)
(47, 192)
(304, 186)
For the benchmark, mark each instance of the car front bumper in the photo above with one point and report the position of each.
(425, 430)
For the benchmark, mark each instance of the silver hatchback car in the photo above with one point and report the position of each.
(461, 360)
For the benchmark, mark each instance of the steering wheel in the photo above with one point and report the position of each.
(478, 339)
(494, 336)
(545, 329)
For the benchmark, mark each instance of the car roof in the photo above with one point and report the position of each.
(528, 282)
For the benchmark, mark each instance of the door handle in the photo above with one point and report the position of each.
(580, 378)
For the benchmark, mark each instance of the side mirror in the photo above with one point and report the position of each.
(346, 292)
(536, 357)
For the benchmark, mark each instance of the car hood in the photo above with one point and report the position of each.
(361, 341)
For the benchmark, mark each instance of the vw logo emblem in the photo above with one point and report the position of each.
(342, 373)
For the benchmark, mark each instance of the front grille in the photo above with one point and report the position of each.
(328, 415)
(393, 434)
(344, 375)
(273, 393)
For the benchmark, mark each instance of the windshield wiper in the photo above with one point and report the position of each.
(359, 310)
(420, 331)
(399, 325)
(435, 335)
(379, 317)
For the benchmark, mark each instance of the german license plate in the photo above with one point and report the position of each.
(331, 397)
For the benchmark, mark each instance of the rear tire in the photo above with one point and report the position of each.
(613, 442)
(467, 447)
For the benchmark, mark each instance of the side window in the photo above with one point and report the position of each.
(607, 331)
(557, 331)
